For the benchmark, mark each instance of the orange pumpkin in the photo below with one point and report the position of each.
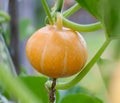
(56, 53)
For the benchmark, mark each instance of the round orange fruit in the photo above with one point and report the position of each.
(56, 53)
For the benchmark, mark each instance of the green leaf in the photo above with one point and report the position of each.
(111, 18)
(91, 6)
(80, 98)
(117, 50)
(37, 86)
(3, 91)
(107, 11)
(76, 90)
(57, 96)
(16, 87)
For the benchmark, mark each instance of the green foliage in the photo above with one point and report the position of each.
(106, 69)
(23, 71)
(80, 98)
(15, 87)
(76, 90)
(4, 17)
(117, 50)
(1, 88)
(36, 86)
(3, 91)
(92, 6)
(25, 28)
(57, 97)
(107, 11)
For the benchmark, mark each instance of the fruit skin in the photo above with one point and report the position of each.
(56, 53)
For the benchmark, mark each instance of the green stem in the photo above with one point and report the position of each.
(16, 87)
(71, 10)
(81, 28)
(73, 82)
(47, 10)
(4, 17)
(58, 6)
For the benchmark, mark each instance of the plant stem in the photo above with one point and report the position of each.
(52, 91)
(47, 10)
(81, 28)
(71, 10)
(4, 17)
(16, 87)
(59, 21)
(73, 82)
(58, 6)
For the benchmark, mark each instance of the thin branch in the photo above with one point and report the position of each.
(52, 91)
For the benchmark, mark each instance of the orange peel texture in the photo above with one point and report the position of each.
(56, 53)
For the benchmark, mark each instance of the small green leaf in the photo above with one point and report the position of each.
(36, 85)
(80, 98)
